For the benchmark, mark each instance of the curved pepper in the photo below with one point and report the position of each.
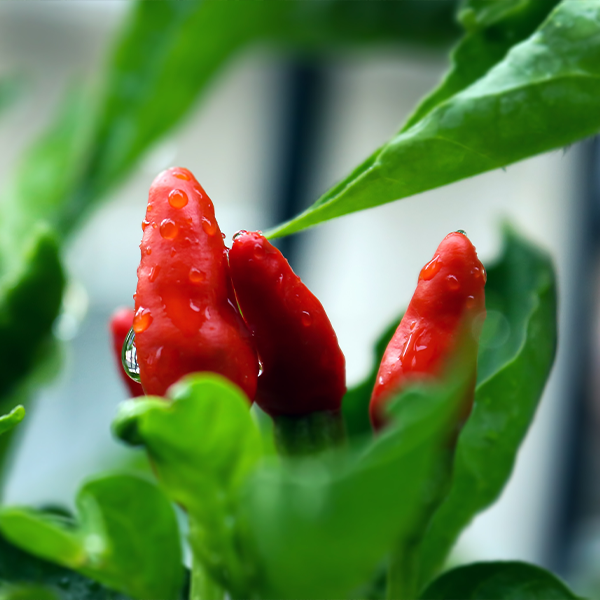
(186, 318)
(449, 297)
(303, 368)
(120, 324)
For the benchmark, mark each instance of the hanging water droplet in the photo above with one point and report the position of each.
(430, 270)
(461, 231)
(239, 233)
(129, 357)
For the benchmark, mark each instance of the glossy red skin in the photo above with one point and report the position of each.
(185, 286)
(303, 366)
(436, 317)
(120, 324)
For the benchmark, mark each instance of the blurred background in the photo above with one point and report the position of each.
(273, 132)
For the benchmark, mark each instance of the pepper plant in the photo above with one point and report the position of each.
(311, 504)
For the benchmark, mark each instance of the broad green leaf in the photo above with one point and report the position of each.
(126, 537)
(203, 444)
(498, 581)
(355, 405)
(303, 517)
(542, 95)
(492, 29)
(513, 369)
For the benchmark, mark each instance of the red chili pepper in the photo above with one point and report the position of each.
(449, 295)
(186, 317)
(120, 324)
(303, 368)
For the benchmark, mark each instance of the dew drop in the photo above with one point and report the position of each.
(168, 229)
(182, 175)
(178, 198)
(239, 234)
(198, 191)
(173, 252)
(461, 231)
(261, 368)
(470, 302)
(453, 283)
(145, 224)
(153, 225)
(223, 235)
(129, 357)
(149, 208)
(207, 313)
(412, 325)
(431, 269)
(209, 227)
(306, 318)
(484, 272)
(259, 251)
(148, 250)
(196, 275)
(154, 273)
(194, 307)
(142, 320)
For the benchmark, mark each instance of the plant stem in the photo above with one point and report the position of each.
(203, 586)
(402, 572)
(309, 434)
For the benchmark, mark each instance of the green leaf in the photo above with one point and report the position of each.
(498, 581)
(543, 95)
(12, 419)
(30, 296)
(20, 569)
(492, 29)
(513, 370)
(303, 518)
(26, 592)
(203, 445)
(355, 404)
(126, 537)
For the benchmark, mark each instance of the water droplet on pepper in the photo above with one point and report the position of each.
(168, 229)
(431, 269)
(196, 275)
(142, 320)
(178, 198)
(453, 283)
(209, 227)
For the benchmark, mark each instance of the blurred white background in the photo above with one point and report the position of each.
(362, 267)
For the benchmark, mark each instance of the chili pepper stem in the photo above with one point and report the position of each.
(308, 434)
(203, 586)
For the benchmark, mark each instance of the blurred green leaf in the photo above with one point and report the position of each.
(513, 370)
(492, 29)
(203, 445)
(12, 419)
(9, 90)
(26, 592)
(355, 404)
(126, 538)
(303, 517)
(541, 96)
(498, 581)
(21, 569)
